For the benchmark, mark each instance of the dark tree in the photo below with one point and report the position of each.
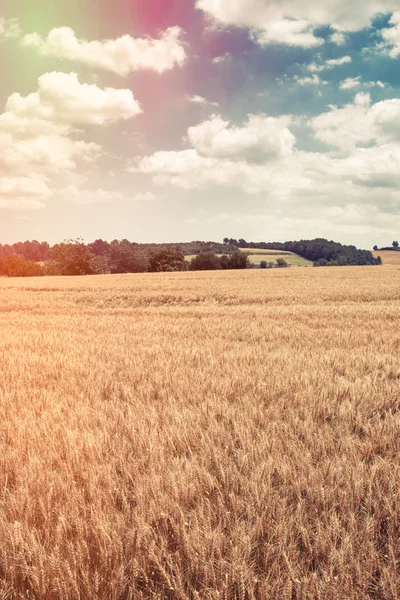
(205, 262)
(238, 260)
(281, 263)
(73, 257)
(124, 257)
(168, 259)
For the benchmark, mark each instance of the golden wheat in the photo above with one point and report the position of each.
(224, 435)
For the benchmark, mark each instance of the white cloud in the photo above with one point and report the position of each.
(313, 80)
(294, 23)
(350, 83)
(338, 38)
(86, 197)
(335, 62)
(122, 56)
(249, 157)
(44, 154)
(23, 193)
(301, 184)
(359, 123)
(329, 64)
(39, 146)
(219, 59)
(62, 98)
(261, 138)
(200, 100)
(288, 32)
(391, 36)
(9, 29)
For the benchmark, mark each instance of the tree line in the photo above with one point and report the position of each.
(74, 257)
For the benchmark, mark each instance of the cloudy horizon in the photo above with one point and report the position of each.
(200, 119)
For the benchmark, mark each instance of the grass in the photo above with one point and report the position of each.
(222, 435)
(389, 257)
(256, 256)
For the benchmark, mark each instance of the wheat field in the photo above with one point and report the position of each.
(389, 257)
(231, 435)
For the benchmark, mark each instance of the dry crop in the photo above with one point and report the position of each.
(389, 257)
(227, 435)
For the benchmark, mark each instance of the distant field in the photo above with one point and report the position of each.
(389, 257)
(230, 435)
(264, 252)
(256, 256)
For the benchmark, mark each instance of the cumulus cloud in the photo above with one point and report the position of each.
(335, 62)
(359, 123)
(9, 29)
(122, 56)
(39, 143)
(294, 23)
(260, 138)
(329, 64)
(350, 83)
(200, 100)
(391, 36)
(313, 80)
(23, 193)
(62, 98)
(288, 32)
(365, 138)
(220, 59)
(338, 37)
(87, 197)
(248, 156)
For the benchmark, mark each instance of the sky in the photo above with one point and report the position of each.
(269, 120)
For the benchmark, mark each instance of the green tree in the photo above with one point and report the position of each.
(207, 261)
(263, 264)
(238, 260)
(124, 257)
(167, 259)
(321, 262)
(17, 266)
(395, 244)
(73, 257)
(281, 263)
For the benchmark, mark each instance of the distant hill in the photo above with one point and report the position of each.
(320, 251)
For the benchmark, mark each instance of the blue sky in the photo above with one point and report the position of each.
(268, 120)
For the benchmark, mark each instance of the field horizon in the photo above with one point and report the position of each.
(225, 435)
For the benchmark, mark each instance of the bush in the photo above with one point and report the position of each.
(17, 266)
(321, 262)
(281, 263)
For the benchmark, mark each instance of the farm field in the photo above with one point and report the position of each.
(220, 435)
(389, 257)
(256, 256)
